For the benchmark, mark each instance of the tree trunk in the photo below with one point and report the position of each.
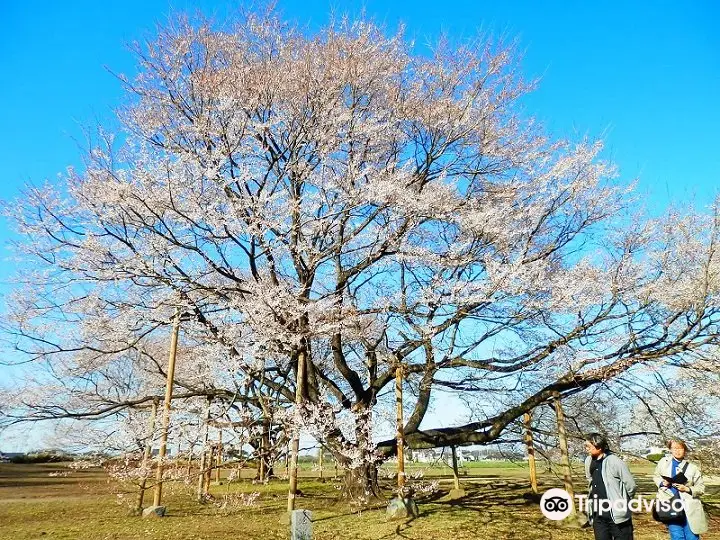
(361, 475)
(264, 464)
(361, 483)
(264, 468)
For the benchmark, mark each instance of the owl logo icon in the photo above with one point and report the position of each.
(556, 504)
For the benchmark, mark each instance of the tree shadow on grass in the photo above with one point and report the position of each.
(496, 506)
(484, 497)
(368, 508)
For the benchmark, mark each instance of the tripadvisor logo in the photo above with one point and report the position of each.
(556, 504)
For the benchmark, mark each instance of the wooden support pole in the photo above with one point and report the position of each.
(564, 453)
(203, 454)
(292, 490)
(188, 470)
(157, 497)
(287, 461)
(219, 457)
(208, 470)
(456, 476)
(261, 461)
(295, 449)
(201, 475)
(400, 435)
(527, 420)
(264, 452)
(321, 461)
(146, 454)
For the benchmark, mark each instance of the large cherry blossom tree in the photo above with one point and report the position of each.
(346, 202)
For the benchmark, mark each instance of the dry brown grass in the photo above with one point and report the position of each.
(86, 506)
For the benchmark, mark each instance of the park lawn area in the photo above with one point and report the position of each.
(86, 505)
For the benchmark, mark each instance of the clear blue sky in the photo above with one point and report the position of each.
(646, 75)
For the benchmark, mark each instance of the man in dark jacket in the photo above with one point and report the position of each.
(611, 488)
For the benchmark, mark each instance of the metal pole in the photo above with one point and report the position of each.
(166, 410)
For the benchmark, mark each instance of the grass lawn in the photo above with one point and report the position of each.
(85, 505)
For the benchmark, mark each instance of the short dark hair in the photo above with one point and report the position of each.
(679, 442)
(598, 440)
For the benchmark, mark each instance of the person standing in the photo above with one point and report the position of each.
(611, 487)
(693, 522)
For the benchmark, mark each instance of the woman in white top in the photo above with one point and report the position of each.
(694, 523)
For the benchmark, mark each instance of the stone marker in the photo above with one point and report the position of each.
(401, 508)
(301, 525)
(154, 512)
